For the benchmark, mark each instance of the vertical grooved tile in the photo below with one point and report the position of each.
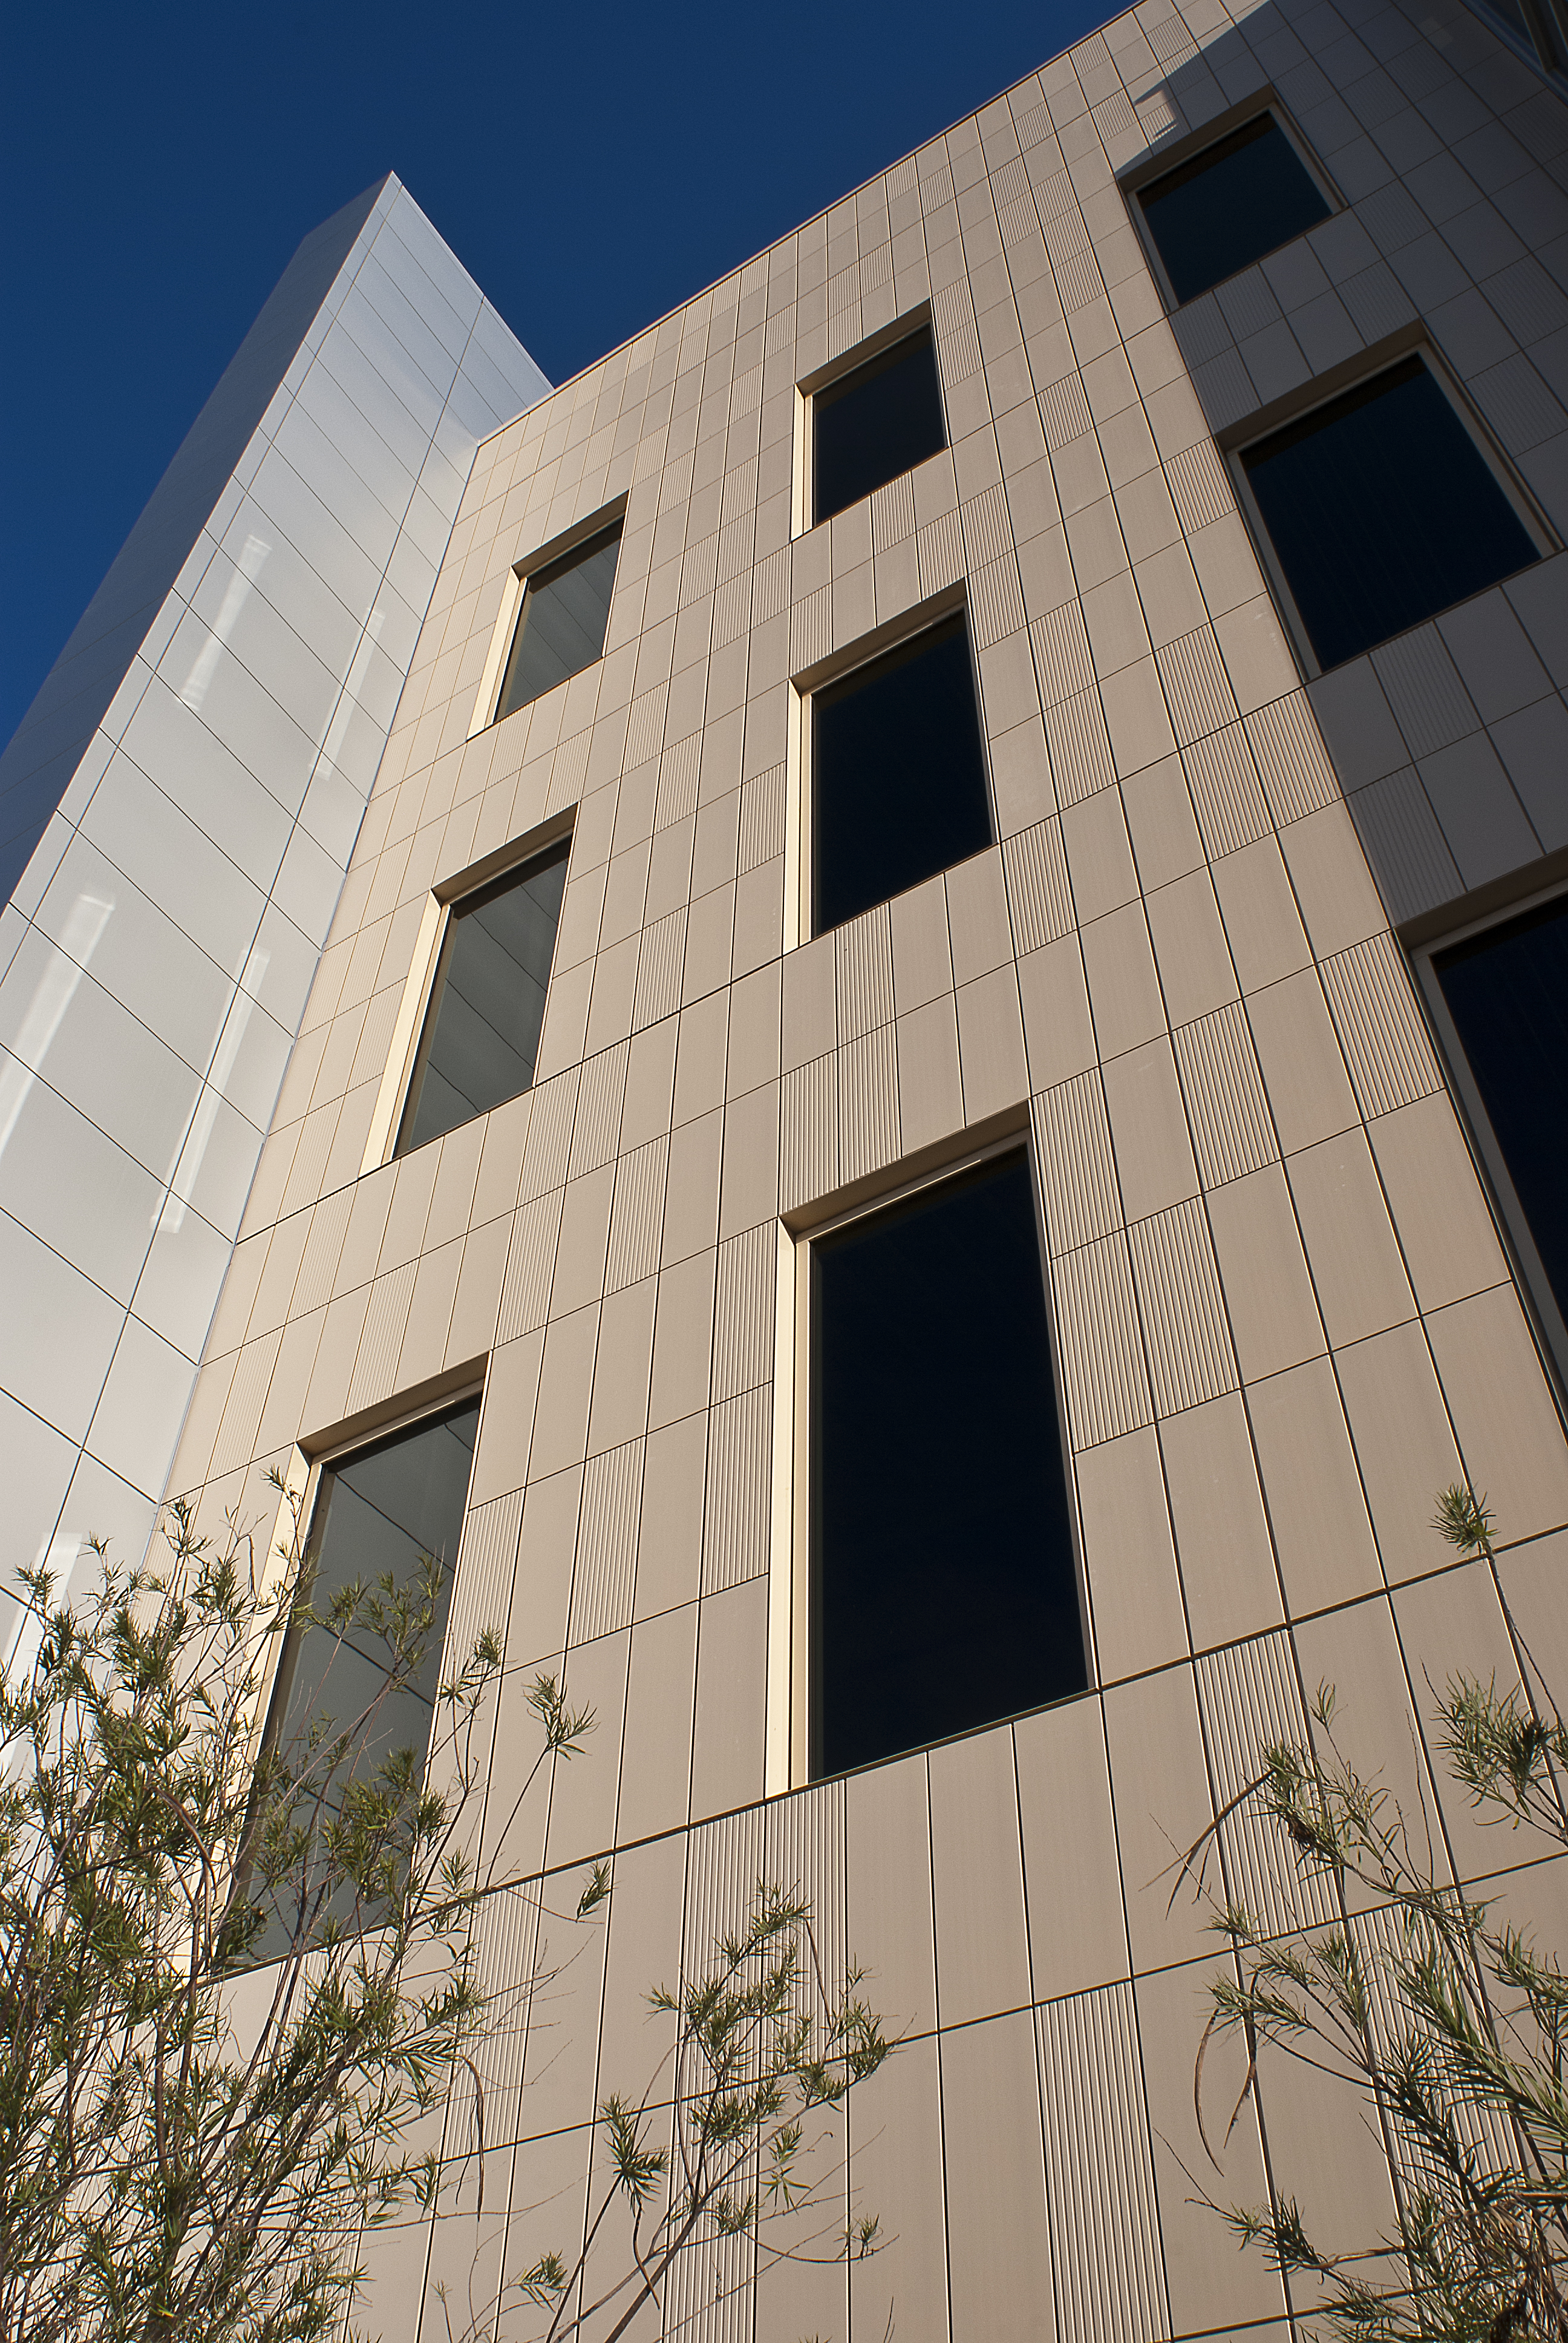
(1077, 1168)
(1252, 1704)
(867, 1103)
(1228, 1112)
(548, 1145)
(637, 1216)
(762, 820)
(743, 1311)
(1037, 893)
(1080, 757)
(482, 1582)
(530, 1265)
(1102, 1352)
(1227, 795)
(597, 1125)
(375, 1375)
(1197, 688)
(1189, 1354)
(607, 1543)
(662, 963)
(1100, 2171)
(1370, 992)
(1291, 758)
(808, 1132)
(739, 1489)
(863, 966)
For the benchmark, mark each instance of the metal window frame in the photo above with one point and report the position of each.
(803, 483)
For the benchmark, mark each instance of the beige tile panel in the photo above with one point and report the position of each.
(1438, 1209)
(1099, 855)
(930, 1094)
(1076, 1934)
(670, 1546)
(896, 2130)
(922, 963)
(607, 1543)
(549, 1143)
(1197, 689)
(1316, 1506)
(1160, 1790)
(739, 1489)
(584, 1237)
(1101, 1351)
(1251, 1703)
(1122, 983)
(531, 1266)
(1190, 948)
(1360, 1279)
(1189, 1343)
(375, 1375)
(977, 1869)
(732, 1676)
(1303, 1071)
(1403, 1442)
(1226, 1560)
(1273, 1315)
(869, 1104)
(990, 1044)
(743, 1325)
(1262, 922)
(583, 1793)
(1340, 903)
(1509, 1432)
(999, 2241)
(1135, 1595)
(1100, 2174)
(1080, 757)
(862, 956)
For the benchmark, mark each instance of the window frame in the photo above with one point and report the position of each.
(1547, 1325)
(1323, 390)
(409, 1032)
(875, 345)
(1158, 161)
(799, 845)
(578, 539)
(790, 1702)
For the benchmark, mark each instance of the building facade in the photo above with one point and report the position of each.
(1208, 966)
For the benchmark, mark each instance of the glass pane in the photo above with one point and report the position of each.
(876, 423)
(1382, 510)
(1239, 199)
(379, 1512)
(482, 1034)
(897, 775)
(562, 629)
(1507, 992)
(945, 1595)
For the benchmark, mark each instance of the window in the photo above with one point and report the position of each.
(871, 424)
(1226, 207)
(944, 1592)
(381, 1510)
(1505, 994)
(1381, 510)
(488, 1004)
(561, 625)
(898, 774)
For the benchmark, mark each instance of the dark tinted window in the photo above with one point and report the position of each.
(561, 625)
(944, 1593)
(868, 427)
(897, 775)
(487, 1006)
(1229, 205)
(1507, 992)
(1382, 510)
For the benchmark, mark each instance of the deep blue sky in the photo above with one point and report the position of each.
(590, 166)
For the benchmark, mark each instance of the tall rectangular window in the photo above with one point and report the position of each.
(1382, 510)
(1505, 992)
(1222, 209)
(877, 421)
(481, 1038)
(944, 1590)
(898, 774)
(562, 624)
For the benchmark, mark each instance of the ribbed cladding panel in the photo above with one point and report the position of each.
(803, 1849)
(677, 771)
(893, 513)
(953, 317)
(1100, 2171)
(645, 728)
(936, 189)
(1080, 757)
(731, 609)
(708, 2296)
(1039, 895)
(1189, 1354)
(1384, 1940)
(743, 1311)
(761, 819)
(1062, 662)
(1097, 1335)
(1114, 119)
(323, 1251)
(1227, 795)
(739, 1489)
(1422, 685)
(506, 1940)
(868, 1104)
(568, 769)
(1072, 261)
(811, 628)
(482, 1583)
(1391, 1060)
(1199, 487)
(549, 1140)
(995, 602)
(531, 1266)
(700, 571)
(375, 1375)
(596, 1128)
(1064, 411)
(987, 528)
(242, 1407)
(770, 587)
(637, 1217)
(1228, 1110)
(607, 1543)
(1291, 758)
(737, 537)
(1077, 1168)
(939, 553)
(1250, 1704)
(1197, 689)
(844, 329)
(662, 963)
(1404, 844)
(863, 973)
(808, 1132)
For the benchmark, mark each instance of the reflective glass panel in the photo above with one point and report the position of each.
(897, 775)
(1507, 992)
(944, 1594)
(561, 625)
(1382, 510)
(488, 1007)
(1241, 198)
(870, 426)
